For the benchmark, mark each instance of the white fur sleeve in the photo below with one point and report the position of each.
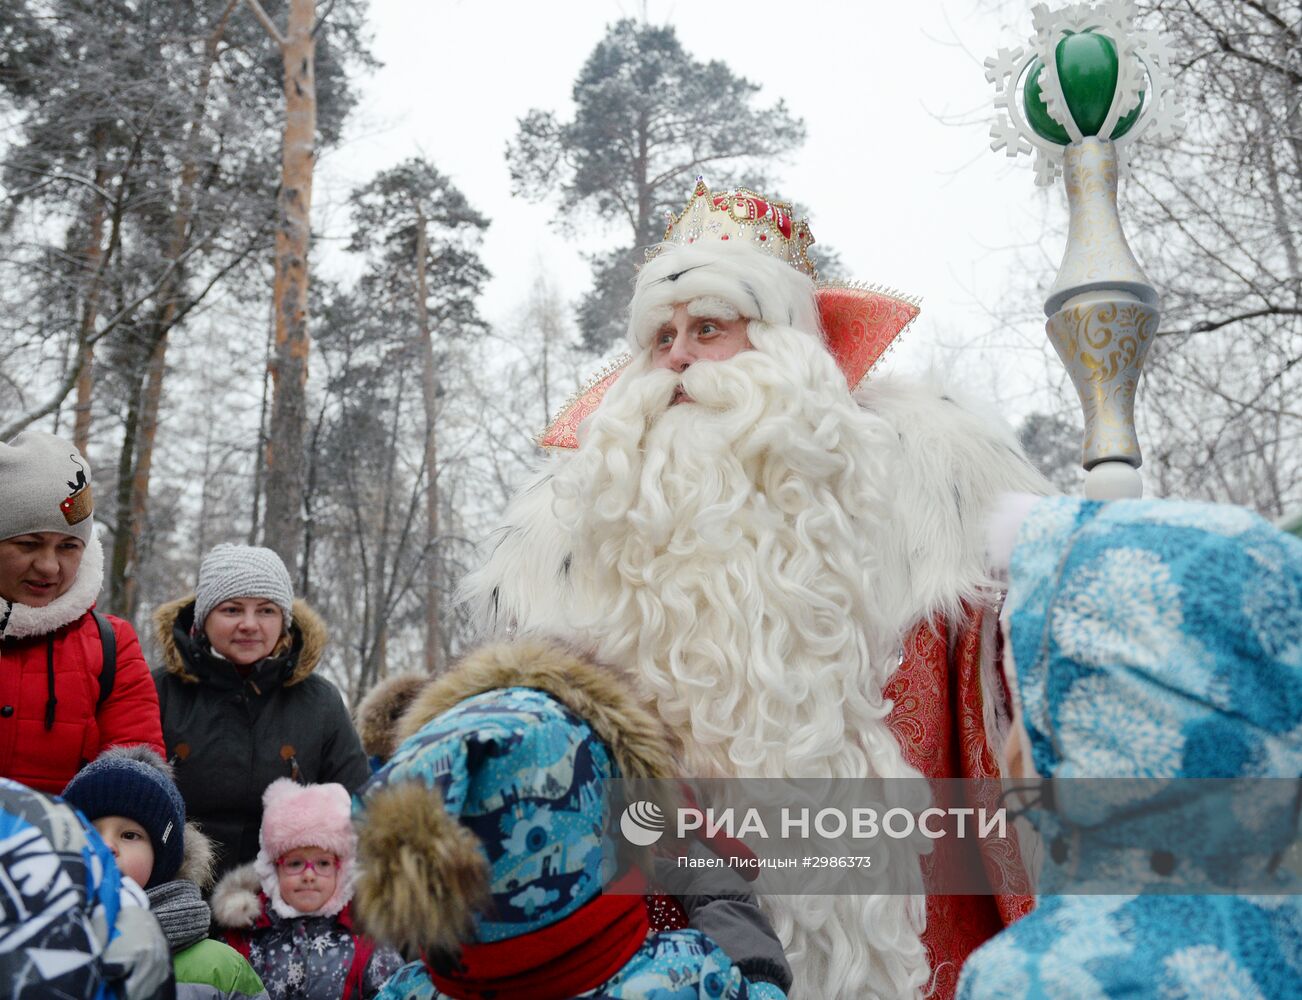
(523, 582)
(956, 458)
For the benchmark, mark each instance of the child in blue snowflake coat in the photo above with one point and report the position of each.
(481, 847)
(289, 912)
(1150, 640)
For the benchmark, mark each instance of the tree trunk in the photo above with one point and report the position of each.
(255, 521)
(286, 437)
(147, 432)
(119, 563)
(92, 256)
(641, 182)
(309, 521)
(380, 583)
(429, 392)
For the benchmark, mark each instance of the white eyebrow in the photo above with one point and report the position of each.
(712, 307)
(658, 317)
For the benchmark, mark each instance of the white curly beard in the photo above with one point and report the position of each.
(726, 548)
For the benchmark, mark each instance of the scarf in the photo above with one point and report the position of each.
(181, 911)
(562, 960)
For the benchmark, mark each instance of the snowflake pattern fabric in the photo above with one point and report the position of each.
(309, 958)
(1195, 627)
(1152, 639)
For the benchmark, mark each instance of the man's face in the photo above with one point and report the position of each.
(693, 334)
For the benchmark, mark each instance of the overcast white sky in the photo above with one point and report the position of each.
(909, 201)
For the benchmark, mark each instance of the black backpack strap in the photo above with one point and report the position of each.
(108, 672)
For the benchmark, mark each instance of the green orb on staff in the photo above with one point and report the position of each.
(1088, 85)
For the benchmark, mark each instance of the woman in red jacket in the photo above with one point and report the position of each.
(59, 705)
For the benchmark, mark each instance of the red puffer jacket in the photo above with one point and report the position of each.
(50, 660)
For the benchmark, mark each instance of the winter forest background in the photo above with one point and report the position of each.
(338, 384)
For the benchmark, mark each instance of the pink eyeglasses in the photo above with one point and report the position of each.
(296, 866)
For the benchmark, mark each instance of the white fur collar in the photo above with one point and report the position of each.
(25, 621)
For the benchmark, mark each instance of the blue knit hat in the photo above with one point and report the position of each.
(136, 783)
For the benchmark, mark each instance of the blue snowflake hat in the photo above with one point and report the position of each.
(1156, 639)
(515, 745)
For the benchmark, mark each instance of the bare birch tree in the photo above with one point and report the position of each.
(288, 427)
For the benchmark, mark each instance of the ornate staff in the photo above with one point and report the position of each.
(1085, 89)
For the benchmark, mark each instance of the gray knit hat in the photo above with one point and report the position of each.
(44, 486)
(230, 571)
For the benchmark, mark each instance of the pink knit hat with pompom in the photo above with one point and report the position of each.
(295, 815)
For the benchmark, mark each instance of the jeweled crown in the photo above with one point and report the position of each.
(743, 215)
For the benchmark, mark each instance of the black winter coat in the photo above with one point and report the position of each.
(230, 737)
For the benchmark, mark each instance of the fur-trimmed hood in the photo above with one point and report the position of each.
(532, 708)
(378, 714)
(308, 634)
(199, 860)
(600, 695)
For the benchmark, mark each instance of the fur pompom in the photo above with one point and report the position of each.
(235, 901)
(423, 876)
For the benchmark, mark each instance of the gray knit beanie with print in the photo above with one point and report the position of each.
(230, 571)
(44, 486)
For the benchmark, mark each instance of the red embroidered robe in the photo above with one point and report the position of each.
(938, 719)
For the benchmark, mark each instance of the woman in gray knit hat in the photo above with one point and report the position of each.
(241, 704)
(72, 681)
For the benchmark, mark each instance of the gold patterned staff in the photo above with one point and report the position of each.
(1088, 85)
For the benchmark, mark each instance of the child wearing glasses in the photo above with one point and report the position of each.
(289, 910)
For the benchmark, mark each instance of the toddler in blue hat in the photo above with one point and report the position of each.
(128, 795)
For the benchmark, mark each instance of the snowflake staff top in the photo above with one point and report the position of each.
(1088, 73)
(1089, 85)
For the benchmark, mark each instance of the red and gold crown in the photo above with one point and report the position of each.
(743, 215)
